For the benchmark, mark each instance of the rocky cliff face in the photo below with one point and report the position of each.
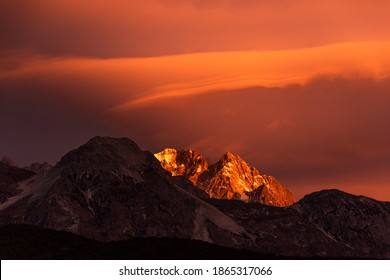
(229, 178)
(189, 163)
(271, 192)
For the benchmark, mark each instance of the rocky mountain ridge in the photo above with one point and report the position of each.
(38, 167)
(229, 178)
(6, 160)
(189, 163)
(109, 189)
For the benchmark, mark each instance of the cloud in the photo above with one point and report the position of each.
(325, 130)
(339, 137)
(181, 75)
(121, 28)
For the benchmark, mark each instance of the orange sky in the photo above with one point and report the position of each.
(122, 28)
(298, 88)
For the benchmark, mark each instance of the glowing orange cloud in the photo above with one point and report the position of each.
(206, 72)
(325, 131)
(138, 81)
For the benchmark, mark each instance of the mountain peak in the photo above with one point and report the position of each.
(228, 157)
(102, 152)
(8, 161)
(186, 162)
(111, 141)
(38, 167)
(229, 178)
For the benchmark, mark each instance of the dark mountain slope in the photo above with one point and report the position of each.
(360, 222)
(109, 189)
(9, 177)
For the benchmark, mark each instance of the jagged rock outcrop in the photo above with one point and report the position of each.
(229, 178)
(189, 163)
(38, 167)
(271, 192)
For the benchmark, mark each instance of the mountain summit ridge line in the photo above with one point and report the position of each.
(229, 178)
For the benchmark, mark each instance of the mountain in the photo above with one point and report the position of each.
(189, 163)
(10, 176)
(357, 221)
(8, 161)
(328, 223)
(229, 178)
(38, 167)
(110, 190)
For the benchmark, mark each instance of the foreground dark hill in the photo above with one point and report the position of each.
(110, 190)
(24, 242)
